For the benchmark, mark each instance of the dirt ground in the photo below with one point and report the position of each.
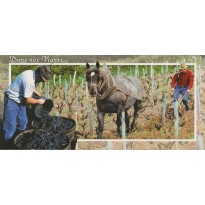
(159, 145)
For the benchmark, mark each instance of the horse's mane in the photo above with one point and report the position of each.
(109, 81)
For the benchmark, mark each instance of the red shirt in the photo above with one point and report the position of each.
(183, 78)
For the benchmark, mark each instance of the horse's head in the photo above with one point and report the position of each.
(93, 78)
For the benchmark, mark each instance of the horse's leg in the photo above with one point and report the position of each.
(119, 119)
(118, 122)
(100, 116)
(127, 121)
(136, 113)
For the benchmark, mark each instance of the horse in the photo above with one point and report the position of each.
(114, 95)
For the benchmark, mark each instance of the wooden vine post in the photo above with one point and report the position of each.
(54, 80)
(175, 69)
(76, 146)
(70, 79)
(130, 71)
(74, 78)
(176, 121)
(118, 71)
(76, 112)
(86, 90)
(47, 90)
(60, 80)
(146, 70)
(66, 89)
(57, 113)
(136, 71)
(162, 70)
(143, 72)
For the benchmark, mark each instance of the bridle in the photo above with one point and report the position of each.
(98, 87)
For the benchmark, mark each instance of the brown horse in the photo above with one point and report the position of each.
(114, 95)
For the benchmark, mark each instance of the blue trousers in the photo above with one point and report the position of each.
(183, 91)
(14, 118)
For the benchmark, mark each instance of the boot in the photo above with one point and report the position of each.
(187, 106)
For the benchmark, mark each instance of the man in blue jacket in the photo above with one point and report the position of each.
(18, 95)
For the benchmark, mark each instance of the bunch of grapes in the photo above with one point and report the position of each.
(50, 133)
(42, 140)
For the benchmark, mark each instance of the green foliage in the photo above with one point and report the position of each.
(66, 70)
(125, 70)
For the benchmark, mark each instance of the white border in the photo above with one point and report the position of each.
(128, 140)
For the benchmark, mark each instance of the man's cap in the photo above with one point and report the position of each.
(46, 72)
(183, 66)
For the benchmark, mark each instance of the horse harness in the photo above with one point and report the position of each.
(128, 94)
(110, 90)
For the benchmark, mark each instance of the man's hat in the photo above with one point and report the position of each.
(183, 66)
(46, 72)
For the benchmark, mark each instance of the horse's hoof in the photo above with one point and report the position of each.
(119, 135)
(127, 130)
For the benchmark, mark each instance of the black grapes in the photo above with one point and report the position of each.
(50, 133)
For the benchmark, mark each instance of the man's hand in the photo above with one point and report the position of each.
(188, 91)
(41, 101)
(34, 101)
(172, 89)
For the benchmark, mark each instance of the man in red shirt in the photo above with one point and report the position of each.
(182, 83)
